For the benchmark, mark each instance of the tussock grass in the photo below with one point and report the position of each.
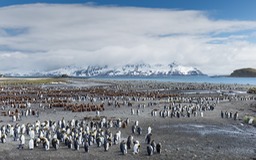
(247, 118)
(30, 81)
(252, 90)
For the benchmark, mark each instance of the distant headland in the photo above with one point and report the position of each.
(244, 72)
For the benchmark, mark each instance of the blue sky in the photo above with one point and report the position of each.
(216, 36)
(225, 9)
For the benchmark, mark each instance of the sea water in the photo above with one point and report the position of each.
(191, 79)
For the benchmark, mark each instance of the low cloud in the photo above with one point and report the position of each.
(41, 37)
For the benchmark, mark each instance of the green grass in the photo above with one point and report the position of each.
(252, 90)
(247, 118)
(32, 81)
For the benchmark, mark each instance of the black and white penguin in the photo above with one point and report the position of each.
(129, 142)
(148, 138)
(31, 144)
(158, 147)
(3, 138)
(136, 147)
(55, 143)
(153, 144)
(116, 140)
(133, 129)
(76, 144)
(69, 142)
(86, 146)
(46, 144)
(106, 145)
(123, 147)
(98, 141)
(150, 150)
(139, 130)
(127, 121)
(236, 116)
(36, 142)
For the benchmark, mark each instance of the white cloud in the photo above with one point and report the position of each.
(61, 35)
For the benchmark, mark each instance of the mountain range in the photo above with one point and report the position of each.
(140, 70)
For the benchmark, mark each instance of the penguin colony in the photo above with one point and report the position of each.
(77, 135)
(18, 102)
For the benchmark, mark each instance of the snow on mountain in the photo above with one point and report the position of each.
(126, 70)
(69, 70)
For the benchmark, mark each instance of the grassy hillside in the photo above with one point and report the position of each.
(244, 72)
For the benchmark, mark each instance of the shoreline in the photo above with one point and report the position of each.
(213, 80)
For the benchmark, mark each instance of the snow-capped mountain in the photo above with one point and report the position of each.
(141, 70)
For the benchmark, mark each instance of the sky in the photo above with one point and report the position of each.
(216, 37)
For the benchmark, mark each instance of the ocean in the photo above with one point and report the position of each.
(191, 79)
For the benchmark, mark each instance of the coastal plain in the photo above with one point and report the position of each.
(201, 135)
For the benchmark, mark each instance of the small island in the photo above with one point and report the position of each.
(244, 72)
